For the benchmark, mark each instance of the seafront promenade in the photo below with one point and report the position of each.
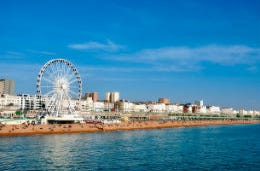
(23, 129)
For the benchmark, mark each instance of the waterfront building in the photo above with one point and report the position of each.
(202, 110)
(47, 103)
(187, 108)
(213, 109)
(10, 101)
(250, 112)
(173, 108)
(194, 108)
(6, 86)
(30, 102)
(109, 106)
(228, 111)
(9, 104)
(86, 104)
(98, 106)
(108, 94)
(89, 105)
(243, 112)
(157, 107)
(164, 100)
(140, 108)
(199, 103)
(125, 106)
(112, 97)
(93, 95)
(256, 113)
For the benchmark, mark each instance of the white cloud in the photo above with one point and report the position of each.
(105, 69)
(211, 53)
(11, 55)
(108, 46)
(42, 52)
(190, 58)
(14, 53)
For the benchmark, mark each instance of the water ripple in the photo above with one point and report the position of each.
(201, 148)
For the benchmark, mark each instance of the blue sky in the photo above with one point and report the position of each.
(184, 50)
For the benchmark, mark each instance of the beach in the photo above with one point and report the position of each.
(23, 129)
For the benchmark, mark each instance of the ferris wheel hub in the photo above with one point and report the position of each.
(62, 84)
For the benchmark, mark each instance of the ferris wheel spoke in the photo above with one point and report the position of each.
(52, 69)
(47, 86)
(72, 81)
(55, 71)
(70, 76)
(60, 69)
(73, 87)
(74, 93)
(67, 70)
(48, 80)
(64, 69)
(50, 93)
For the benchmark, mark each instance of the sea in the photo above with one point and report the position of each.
(230, 147)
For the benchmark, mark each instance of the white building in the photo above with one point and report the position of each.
(98, 106)
(30, 102)
(157, 107)
(126, 106)
(87, 105)
(10, 100)
(214, 109)
(256, 113)
(199, 103)
(6, 87)
(108, 95)
(174, 108)
(112, 97)
(228, 111)
(243, 112)
(202, 109)
(140, 108)
(109, 106)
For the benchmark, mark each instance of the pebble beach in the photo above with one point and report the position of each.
(23, 129)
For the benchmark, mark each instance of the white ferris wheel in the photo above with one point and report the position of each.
(59, 83)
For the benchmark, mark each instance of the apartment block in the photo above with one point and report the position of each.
(6, 86)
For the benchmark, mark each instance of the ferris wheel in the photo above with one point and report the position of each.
(60, 85)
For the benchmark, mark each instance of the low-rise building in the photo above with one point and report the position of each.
(125, 106)
(213, 109)
(164, 100)
(10, 100)
(243, 112)
(202, 110)
(98, 106)
(157, 107)
(173, 108)
(140, 108)
(228, 111)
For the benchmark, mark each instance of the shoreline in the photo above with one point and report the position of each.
(25, 130)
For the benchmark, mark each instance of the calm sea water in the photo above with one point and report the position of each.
(234, 147)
